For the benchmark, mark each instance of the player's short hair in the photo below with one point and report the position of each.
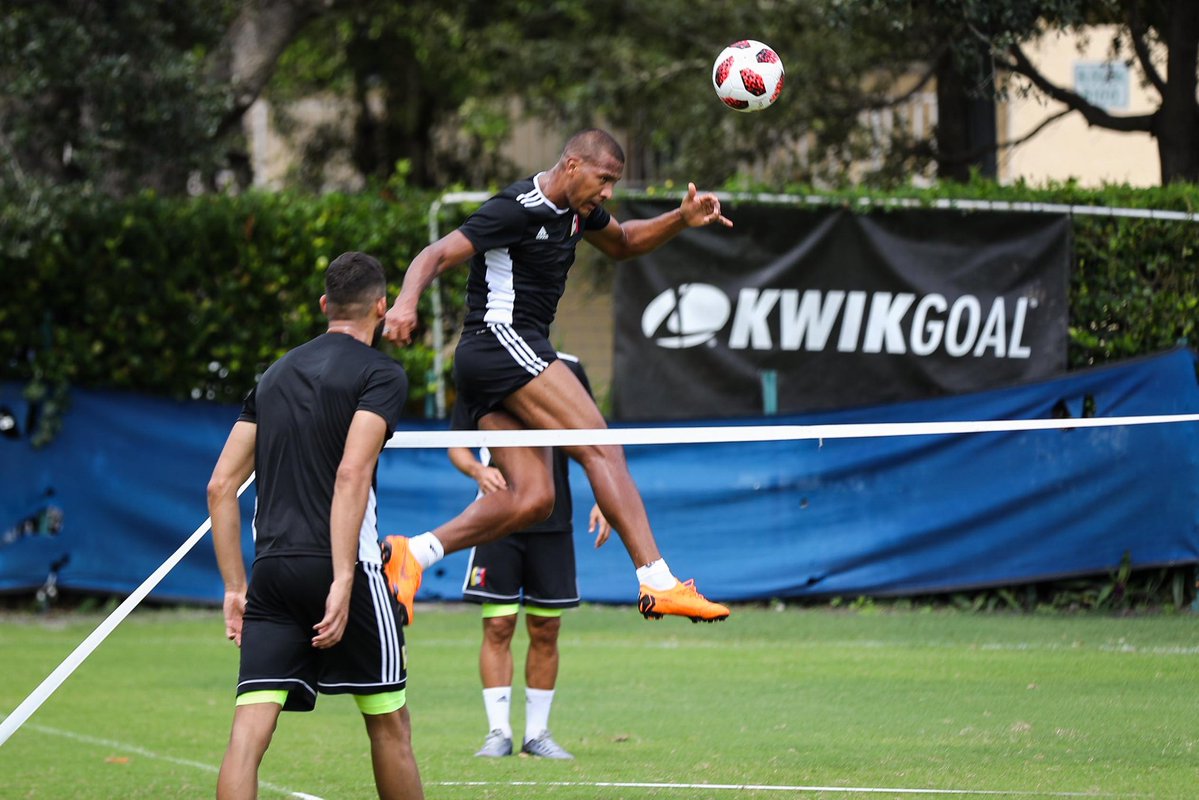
(353, 282)
(592, 144)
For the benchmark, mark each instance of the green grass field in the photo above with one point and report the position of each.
(791, 703)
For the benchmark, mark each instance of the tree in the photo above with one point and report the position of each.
(1159, 34)
(437, 85)
(121, 95)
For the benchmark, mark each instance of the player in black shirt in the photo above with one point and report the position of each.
(520, 244)
(534, 567)
(317, 616)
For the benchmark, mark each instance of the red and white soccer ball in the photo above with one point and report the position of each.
(748, 75)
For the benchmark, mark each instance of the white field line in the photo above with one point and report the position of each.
(125, 747)
(749, 787)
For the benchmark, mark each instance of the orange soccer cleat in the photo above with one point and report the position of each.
(681, 600)
(402, 571)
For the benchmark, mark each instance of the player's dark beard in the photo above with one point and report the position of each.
(377, 338)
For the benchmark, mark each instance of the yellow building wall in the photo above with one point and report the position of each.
(1069, 148)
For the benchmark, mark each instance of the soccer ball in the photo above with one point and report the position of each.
(747, 75)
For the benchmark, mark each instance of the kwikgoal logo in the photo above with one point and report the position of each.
(692, 314)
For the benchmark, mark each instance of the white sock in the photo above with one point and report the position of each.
(656, 575)
(537, 712)
(426, 549)
(496, 701)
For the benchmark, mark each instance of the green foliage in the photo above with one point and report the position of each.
(188, 298)
(110, 95)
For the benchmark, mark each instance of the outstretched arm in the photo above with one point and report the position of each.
(625, 240)
(448, 251)
(232, 469)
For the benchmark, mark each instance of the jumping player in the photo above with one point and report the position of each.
(521, 243)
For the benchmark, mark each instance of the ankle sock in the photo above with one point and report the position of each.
(657, 575)
(497, 701)
(426, 549)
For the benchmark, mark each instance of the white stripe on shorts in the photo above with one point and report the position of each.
(519, 349)
(385, 621)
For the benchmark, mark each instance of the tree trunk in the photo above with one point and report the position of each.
(246, 57)
(966, 136)
(1177, 123)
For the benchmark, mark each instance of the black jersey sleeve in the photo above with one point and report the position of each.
(385, 392)
(597, 220)
(249, 407)
(500, 222)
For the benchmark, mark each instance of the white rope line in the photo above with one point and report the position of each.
(56, 678)
(757, 787)
(753, 433)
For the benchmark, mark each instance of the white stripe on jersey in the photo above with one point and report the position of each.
(386, 624)
(530, 199)
(536, 197)
(501, 296)
(520, 351)
(368, 534)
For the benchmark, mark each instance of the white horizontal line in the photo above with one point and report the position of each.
(750, 787)
(754, 433)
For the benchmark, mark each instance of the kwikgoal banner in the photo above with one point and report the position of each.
(832, 309)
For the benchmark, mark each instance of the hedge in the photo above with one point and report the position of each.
(186, 298)
(194, 297)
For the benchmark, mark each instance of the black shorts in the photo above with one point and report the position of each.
(286, 598)
(493, 362)
(536, 567)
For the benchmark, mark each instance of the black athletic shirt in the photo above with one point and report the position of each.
(561, 519)
(302, 407)
(525, 246)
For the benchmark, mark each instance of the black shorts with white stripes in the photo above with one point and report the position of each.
(493, 362)
(286, 598)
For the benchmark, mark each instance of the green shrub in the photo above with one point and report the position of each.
(187, 298)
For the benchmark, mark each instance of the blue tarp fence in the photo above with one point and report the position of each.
(888, 515)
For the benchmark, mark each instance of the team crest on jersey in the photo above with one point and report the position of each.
(478, 576)
(574, 224)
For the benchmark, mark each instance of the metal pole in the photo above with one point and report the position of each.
(438, 322)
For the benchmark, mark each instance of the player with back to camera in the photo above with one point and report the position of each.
(535, 567)
(520, 244)
(317, 615)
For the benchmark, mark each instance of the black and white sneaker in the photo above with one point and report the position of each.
(543, 746)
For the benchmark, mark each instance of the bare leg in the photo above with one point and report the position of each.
(556, 400)
(253, 727)
(396, 774)
(495, 656)
(541, 667)
(529, 498)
